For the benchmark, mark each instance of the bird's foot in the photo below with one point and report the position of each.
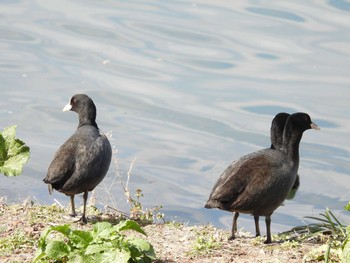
(267, 241)
(232, 237)
(73, 214)
(83, 219)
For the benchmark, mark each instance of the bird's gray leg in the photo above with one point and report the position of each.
(234, 226)
(83, 218)
(268, 229)
(257, 228)
(73, 214)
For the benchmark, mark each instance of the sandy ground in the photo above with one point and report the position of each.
(21, 226)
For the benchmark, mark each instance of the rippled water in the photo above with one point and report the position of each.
(186, 88)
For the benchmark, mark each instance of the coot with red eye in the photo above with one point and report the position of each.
(83, 160)
(259, 182)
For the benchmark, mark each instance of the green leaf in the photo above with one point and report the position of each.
(80, 238)
(78, 258)
(101, 226)
(347, 207)
(102, 229)
(57, 250)
(38, 256)
(129, 225)
(98, 248)
(103, 243)
(116, 256)
(143, 247)
(345, 256)
(63, 229)
(13, 152)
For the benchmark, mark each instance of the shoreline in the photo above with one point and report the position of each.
(22, 225)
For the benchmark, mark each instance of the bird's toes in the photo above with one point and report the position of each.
(232, 237)
(73, 214)
(83, 219)
(267, 241)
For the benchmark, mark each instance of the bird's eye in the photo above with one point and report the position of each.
(74, 101)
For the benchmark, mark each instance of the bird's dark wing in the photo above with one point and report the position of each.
(249, 174)
(91, 165)
(63, 165)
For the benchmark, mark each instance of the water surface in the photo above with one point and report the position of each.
(185, 88)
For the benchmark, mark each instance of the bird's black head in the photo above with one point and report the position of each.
(302, 121)
(85, 107)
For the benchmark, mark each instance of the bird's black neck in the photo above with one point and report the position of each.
(88, 116)
(291, 141)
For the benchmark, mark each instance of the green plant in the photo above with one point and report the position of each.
(16, 241)
(13, 152)
(137, 211)
(338, 243)
(345, 257)
(207, 240)
(204, 245)
(104, 243)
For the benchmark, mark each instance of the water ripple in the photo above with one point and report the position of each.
(186, 87)
(340, 4)
(175, 34)
(275, 13)
(16, 36)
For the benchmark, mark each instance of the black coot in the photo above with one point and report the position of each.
(259, 182)
(276, 134)
(83, 160)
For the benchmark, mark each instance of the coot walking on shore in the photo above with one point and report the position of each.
(259, 182)
(83, 160)
(276, 135)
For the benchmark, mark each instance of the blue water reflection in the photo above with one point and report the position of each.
(275, 13)
(185, 88)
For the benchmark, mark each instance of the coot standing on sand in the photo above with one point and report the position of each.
(83, 160)
(276, 135)
(259, 182)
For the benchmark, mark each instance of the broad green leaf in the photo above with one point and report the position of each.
(63, 229)
(129, 225)
(80, 238)
(13, 152)
(104, 231)
(38, 256)
(98, 248)
(140, 243)
(57, 250)
(102, 244)
(347, 207)
(102, 228)
(76, 257)
(142, 246)
(116, 256)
